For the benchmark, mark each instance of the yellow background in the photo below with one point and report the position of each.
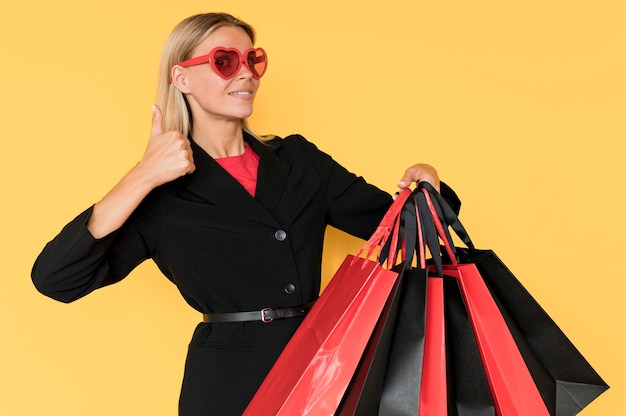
(519, 105)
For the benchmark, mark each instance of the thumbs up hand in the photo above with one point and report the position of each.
(168, 155)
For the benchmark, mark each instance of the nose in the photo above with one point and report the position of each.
(244, 72)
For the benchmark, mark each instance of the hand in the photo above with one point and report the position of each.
(420, 173)
(168, 155)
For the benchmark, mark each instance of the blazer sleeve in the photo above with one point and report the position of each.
(451, 197)
(75, 263)
(355, 206)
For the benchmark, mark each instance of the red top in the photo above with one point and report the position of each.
(244, 168)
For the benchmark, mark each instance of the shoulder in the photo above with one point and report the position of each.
(294, 145)
(291, 141)
(299, 151)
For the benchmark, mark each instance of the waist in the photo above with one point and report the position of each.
(263, 315)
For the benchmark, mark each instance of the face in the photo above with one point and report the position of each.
(210, 96)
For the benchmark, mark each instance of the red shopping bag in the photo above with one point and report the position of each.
(512, 385)
(433, 397)
(312, 373)
(513, 388)
(433, 393)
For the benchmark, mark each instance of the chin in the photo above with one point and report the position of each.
(244, 114)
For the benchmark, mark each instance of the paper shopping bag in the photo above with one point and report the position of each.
(566, 381)
(468, 389)
(362, 396)
(511, 383)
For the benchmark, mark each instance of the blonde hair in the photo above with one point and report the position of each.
(178, 47)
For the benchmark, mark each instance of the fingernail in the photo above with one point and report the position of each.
(153, 108)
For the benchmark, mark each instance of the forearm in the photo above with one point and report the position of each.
(112, 211)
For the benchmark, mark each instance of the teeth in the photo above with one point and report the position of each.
(241, 93)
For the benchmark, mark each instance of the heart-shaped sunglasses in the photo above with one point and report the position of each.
(226, 62)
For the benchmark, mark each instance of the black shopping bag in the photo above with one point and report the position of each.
(565, 379)
(468, 389)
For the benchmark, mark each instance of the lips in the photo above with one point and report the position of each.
(240, 93)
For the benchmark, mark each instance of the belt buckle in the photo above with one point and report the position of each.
(264, 318)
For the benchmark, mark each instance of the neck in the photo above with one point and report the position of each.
(220, 139)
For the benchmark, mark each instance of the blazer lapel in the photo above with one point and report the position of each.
(213, 184)
(273, 172)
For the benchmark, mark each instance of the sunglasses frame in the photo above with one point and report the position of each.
(210, 59)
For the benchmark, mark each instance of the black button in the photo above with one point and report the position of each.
(290, 289)
(280, 235)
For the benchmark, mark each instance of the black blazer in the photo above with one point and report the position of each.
(226, 251)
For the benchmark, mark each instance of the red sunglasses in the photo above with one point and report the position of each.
(226, 62)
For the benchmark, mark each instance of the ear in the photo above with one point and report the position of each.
(178, 75)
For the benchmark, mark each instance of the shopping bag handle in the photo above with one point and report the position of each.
(420, 238)
(443, 218)
(409, 238)
(446, 214)
(387, 231)
(430, 231)
(441, 233)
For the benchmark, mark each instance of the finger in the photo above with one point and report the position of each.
(419, 173)
(192, 164)
(406, 180)
(405, 183)
(435, 183)
(192, 168)
(157, 121)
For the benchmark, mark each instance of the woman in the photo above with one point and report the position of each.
(236, 222)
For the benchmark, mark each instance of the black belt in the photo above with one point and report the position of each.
(264, 315)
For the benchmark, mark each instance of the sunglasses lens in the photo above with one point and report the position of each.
(226, 62)
(257, 62)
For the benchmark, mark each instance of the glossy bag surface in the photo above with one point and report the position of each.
(362, 397)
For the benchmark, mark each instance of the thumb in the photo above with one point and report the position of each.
(405, 181)
(157, 121)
